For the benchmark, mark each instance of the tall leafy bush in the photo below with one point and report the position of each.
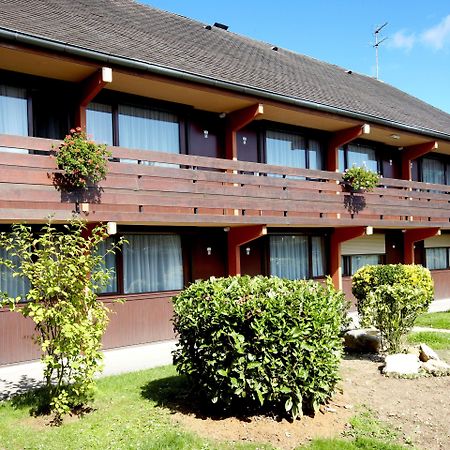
(390, 298)
(64, 273)
(260, 342)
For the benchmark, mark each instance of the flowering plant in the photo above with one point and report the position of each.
(360, 178)
(82, 159)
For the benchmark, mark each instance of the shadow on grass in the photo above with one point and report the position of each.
(31, 394)
(176, 394)
(37, 399)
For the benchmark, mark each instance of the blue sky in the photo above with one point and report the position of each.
(415, 58)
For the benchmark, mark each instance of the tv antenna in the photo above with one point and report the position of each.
(377, 44)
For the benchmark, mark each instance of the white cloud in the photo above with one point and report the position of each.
(437, 36)
(402, 40)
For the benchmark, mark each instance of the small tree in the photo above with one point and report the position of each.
(65, 272)
(390, 298)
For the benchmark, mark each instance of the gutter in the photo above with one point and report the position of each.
(108, 58)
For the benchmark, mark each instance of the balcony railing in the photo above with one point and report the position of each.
(149, 187)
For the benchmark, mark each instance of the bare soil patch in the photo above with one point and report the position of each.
(419, 408)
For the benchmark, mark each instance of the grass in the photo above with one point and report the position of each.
(366, 433)
(130, 413)
(434, 320)
(436, 340)
(126, 416)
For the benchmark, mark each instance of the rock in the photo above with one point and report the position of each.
(401, 364)
(436, 367)
(364, 340)
(427, 353)
(413, 350)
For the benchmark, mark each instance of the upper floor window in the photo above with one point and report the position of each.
(357, 155)
(293, 150)
(296, 256)
(136, 127)
(148, 129)
(99, 123)
(435, 171)
(13, 113)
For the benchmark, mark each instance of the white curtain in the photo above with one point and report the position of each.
(289, 257)
(13, 286)
(317, 253)
(109, 262)
(283, 149)
(13, 114)
(361, 156)
(436, 258)
(315, 154)
(433, 171)
(152, 263)
(148, 129)
(99, 123)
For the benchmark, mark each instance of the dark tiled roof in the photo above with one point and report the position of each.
(132, 30)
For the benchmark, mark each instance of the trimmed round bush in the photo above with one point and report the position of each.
(390, 298)
(258, 343)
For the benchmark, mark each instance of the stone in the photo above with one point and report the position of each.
(364, 340)
(401, 364)
(427, 353)
(436, 367)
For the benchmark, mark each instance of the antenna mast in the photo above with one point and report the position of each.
(377, 44)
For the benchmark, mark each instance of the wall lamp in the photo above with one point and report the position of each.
(247, 251)
(208, 251)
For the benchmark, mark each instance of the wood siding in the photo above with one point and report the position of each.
(142, 318)
(236, 192)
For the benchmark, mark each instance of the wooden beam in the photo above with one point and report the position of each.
(341, 138)
(236, 121)
(239, 236)
(411, 236)
(338, 236)
(89, 88)
(414, 152)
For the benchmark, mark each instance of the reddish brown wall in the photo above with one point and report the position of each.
(441, 283)
(15, 338)
(142, 318)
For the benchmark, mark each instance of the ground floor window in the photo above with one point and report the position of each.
(12, 286)
(437, 258)
(110, 263)
(351, 263)
(296, 256)
(152, 263)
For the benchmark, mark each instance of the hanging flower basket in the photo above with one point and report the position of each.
(360, 179)
(82, 160)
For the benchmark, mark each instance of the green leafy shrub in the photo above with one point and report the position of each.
(391, 297)
(360, 178)
(64, 272)
(260, 343)
(81, 159)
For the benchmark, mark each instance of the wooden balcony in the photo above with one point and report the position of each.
(149, 187)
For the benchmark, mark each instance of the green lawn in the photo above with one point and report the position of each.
(129, 413)
(434, 320)
(436, 340)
